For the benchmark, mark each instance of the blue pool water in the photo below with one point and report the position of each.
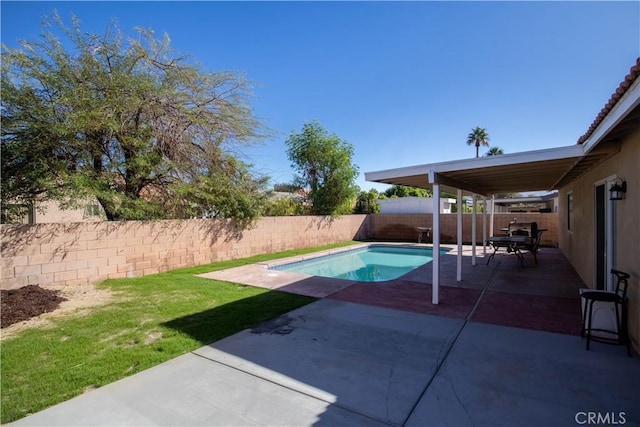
(370, 264)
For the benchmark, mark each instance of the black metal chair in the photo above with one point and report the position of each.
(423, 234)
(619, 300)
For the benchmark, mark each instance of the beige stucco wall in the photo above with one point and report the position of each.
(75, 253)
(403, 226)
(50, 212)
(579, 244)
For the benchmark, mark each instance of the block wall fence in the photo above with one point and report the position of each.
(87, 252)
(84, 252)
(403, 226)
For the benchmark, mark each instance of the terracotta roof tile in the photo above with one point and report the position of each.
(634, 73)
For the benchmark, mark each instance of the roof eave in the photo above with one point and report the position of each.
(629, 101)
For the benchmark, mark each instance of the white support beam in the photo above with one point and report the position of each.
(484, 226)
(459, 234)
(435, 287)
(492, 219)
(435, 178)
(473, 229)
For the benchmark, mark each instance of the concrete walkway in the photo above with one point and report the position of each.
(337, 362)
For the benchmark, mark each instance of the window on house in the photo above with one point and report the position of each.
(92, 210)
(18, 214)
(569, 210)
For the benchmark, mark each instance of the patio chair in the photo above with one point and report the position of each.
(533, 234)
(423, 234)
(619, 300)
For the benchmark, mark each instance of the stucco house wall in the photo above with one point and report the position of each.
(578, 244)
(50, 213)
(413, 205)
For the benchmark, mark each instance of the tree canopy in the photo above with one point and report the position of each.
(478, 136)
(285, 206)
(286, 187)
(323, 163)
(494, 151)
(366, 202)
(126, 120)
(404, 191)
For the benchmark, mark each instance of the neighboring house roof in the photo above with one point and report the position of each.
(284, 194)
(533, 170)
(528, 199)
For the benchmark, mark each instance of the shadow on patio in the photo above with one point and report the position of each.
(347, 359)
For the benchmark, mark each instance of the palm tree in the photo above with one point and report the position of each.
(494, 151)
(478, 136)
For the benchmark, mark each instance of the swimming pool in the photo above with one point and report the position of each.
(369, 264)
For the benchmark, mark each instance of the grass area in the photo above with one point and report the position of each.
(153, 319)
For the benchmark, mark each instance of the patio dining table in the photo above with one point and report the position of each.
(511, 243)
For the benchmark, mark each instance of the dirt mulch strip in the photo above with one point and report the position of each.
(27, 302)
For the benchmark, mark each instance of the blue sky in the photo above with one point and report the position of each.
(404, 82)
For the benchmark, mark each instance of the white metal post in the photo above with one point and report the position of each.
(435, 288)
(484, 226)
(459, 232)
(492, 219)
(473, 230)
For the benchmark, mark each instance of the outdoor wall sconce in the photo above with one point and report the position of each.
(618, 189)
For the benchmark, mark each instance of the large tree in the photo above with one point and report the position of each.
(126, 120)
(323, 162)
(478, 136)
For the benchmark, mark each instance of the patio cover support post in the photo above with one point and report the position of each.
(435, 286)
(484, 226)
(459, 234)
(492, 219)
(473, 230)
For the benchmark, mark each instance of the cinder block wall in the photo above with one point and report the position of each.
(78, 253)
(403, 226)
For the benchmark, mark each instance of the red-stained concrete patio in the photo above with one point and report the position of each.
(542, 296)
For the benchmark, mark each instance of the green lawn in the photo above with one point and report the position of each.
(152, 319)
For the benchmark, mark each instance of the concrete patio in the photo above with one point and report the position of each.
(502, 348)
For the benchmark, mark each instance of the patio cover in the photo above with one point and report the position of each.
(548, 169)
(508, 173)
